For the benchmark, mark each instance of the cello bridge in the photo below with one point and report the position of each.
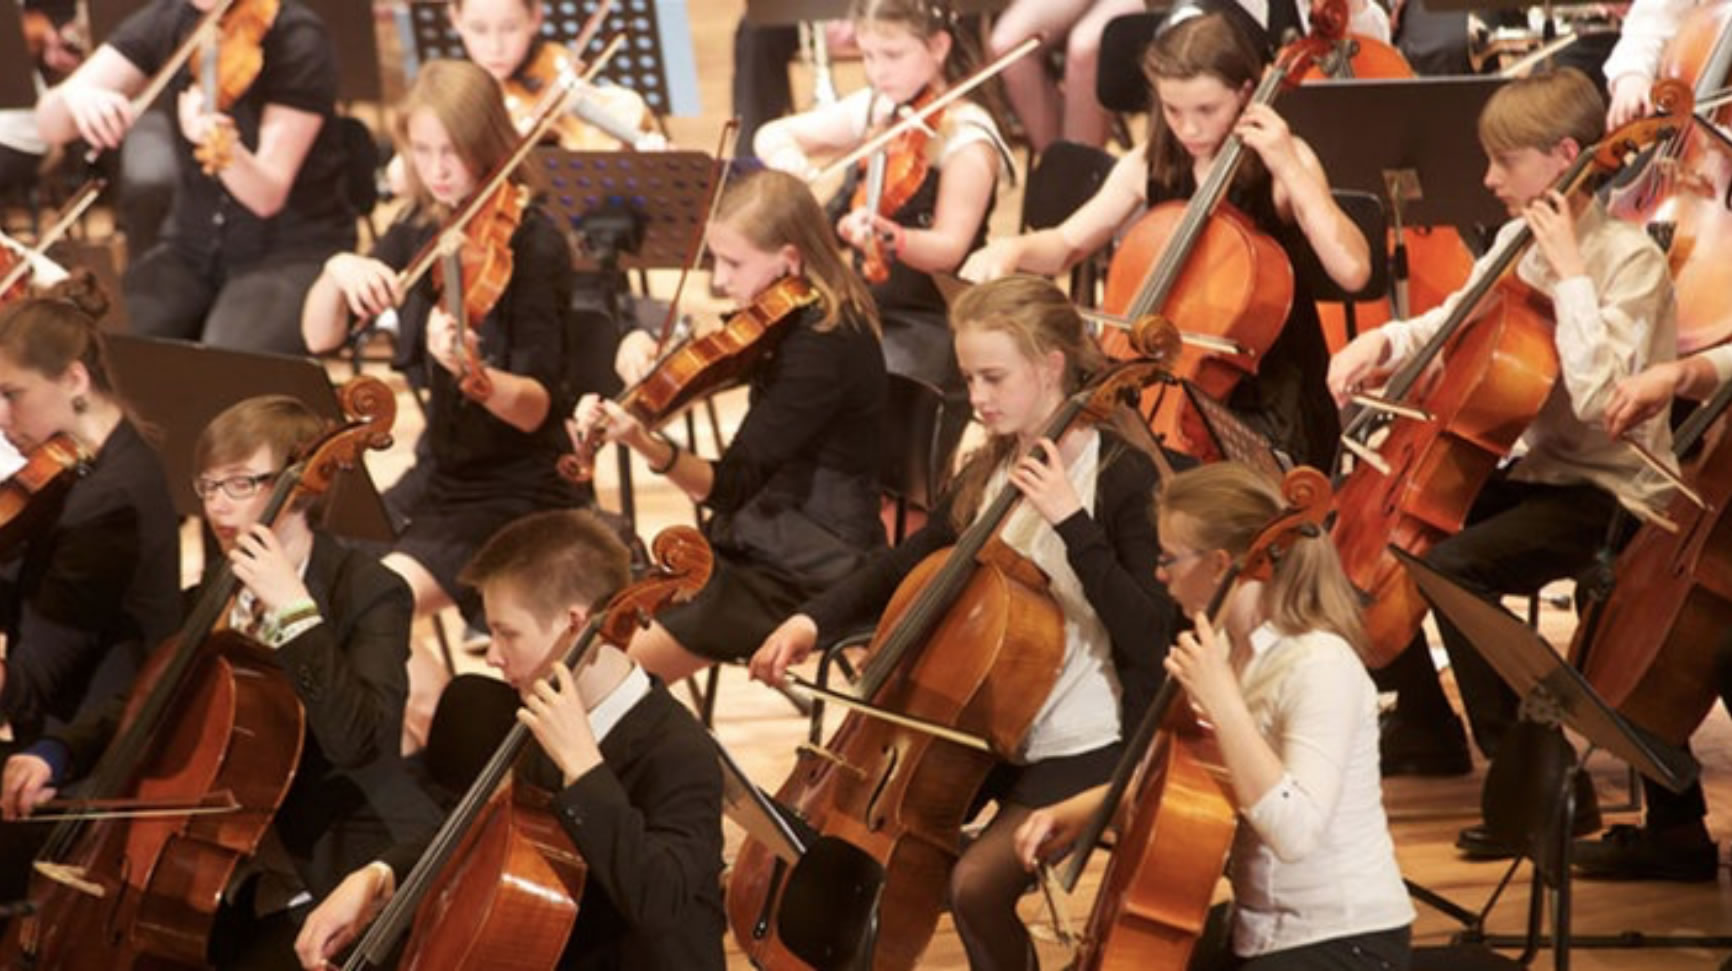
(71, 876)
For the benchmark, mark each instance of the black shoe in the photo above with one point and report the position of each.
(1479, 843)
(1431, 748)
(1633, 853)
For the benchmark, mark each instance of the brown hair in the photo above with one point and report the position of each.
(1228, 504)
(774, 209)
(1541, 110)
(48, 332)
(468, 104)
(278, 422)
(1038, 318)
(1204, 45)
(555, 560)
(924, 19)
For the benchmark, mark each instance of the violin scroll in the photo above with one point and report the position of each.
(683, 564)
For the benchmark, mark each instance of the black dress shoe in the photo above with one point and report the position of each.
(1429, 748)
(1634, 853)
(1479, 843)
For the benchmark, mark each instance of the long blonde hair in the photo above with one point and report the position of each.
(1039, 319)
(468, 103)
(774, 209)
(1228, 504)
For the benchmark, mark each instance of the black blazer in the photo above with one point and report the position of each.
(352, 796)
(647, 822)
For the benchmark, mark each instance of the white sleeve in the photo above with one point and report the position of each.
(1721, 358)
(1647, 27)
(1323, 705)
(1603, 330)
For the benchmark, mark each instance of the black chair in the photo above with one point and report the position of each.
(361, 169)
(1366, 211)
(1067, 175)
(923, 426)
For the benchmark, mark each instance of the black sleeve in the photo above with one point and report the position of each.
(654, 853)
(809, 386)
(59, 640)
(1114, 557)
(539, 301)
(397, 246)
(88, 736)
(860, 598)
(402, 857)
(147, 36)
(354, 690)
(300, 66)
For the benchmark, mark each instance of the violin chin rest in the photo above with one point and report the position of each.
(829, 909)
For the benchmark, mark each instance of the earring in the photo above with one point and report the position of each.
(80, 404)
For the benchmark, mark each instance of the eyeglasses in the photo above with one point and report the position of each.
(1166, 561)
(235, 486)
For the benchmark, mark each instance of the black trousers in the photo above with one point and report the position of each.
(256, 309)
(761, 89)
(1520, 536)
(1390, 950)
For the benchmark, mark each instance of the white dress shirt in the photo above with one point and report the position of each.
(1648, 27)
(1314, 860)
(1610, 324)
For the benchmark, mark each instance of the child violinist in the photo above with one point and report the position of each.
(1545, 516)
(910, 49)
(636, 783)
(1315, 881)
(795, 495)
(1084, 521)
(337, 624)
(1203, 68)
(243, 245)
(485, 461)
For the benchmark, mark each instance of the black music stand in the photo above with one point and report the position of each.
(1426, 163)
(179, 386)
(1234, 439)
(770, 13)
(1554, 695)
(17, 83)
(656, 61)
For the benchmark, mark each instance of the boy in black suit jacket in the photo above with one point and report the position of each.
(637, 784)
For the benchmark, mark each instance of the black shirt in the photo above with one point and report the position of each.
(529, 333)
(209, 225)
(796, 494)
(94, 593)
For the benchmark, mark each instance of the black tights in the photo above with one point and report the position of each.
(985, 885)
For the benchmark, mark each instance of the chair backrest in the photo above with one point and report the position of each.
(921, 428)
(829, 912)
(1067, 175)
(360, 174)
(1366, 211)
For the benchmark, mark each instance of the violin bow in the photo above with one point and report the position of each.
(911, 119)
(725, 145)
(74, 209)
(159, 81)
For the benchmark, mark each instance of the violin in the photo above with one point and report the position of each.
(1500, 362)
(1155, 894)
(231, 61)
(501, 877)
(18, 265)
(31, 499)
(1684, 194)
(473, 270)
(213, 726)
(970, 645)
(890, 177)
(1206, 267)
(701, 366)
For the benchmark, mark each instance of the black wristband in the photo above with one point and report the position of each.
(673, 456)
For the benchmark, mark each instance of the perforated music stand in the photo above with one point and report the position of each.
(657, 60)
(1426, 163)
(668, 189)
(1234, 439)
(17, 84)
(179, 386)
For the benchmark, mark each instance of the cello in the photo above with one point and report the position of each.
(212, 729)
(1204, 266)
(1648, 645)
(498, 886)
(1155, 894)
(901, 793)
(1500, 363)
(1684, 195)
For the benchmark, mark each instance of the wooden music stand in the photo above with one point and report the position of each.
(656, 62)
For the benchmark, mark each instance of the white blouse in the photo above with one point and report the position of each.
(1314, 859)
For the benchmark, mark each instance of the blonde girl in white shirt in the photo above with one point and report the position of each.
(1315, 882)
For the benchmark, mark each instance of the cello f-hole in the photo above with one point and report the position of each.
(892, 756)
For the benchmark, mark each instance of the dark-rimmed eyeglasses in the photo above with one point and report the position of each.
(235, 486)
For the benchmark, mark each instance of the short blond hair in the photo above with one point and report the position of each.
(1541, 110)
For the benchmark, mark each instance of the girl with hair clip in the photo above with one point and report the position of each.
(1313, 870)
(910, 49)
(1203, 68)
(1084, 521)
(480, 463)
(795, 496)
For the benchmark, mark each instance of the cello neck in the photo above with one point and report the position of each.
(1158, 283)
